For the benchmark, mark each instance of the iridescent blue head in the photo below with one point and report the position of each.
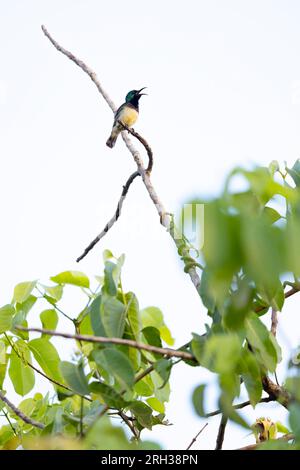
(133, 96)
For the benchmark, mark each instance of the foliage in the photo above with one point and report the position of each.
(250, 254)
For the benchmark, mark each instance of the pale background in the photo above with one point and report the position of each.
(223, 79)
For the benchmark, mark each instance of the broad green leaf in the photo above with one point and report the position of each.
(251, 375)
(133, 315)
(151, 335)
(27, 305)
(49, 319)
(95, 314)
(166, 335)
(161, 390)
(110, 286)
(23, 290)
(6, 316)
(281, 428)
(47, 357)
(222, 353)
(117, 364)
(163, 367)
(143, 414)
(294, 419)
(113, 315)
(271, 214)
(55, 292)
(144, 387)
(156, 405)
(198, 399)
(103, 435)
(75, 278)
(152, 316)
(75, 377)
(259, 339)
(109, 396)
(21, 375)
(205, 292)
(295, 172)
(107, 254)
(198, 344)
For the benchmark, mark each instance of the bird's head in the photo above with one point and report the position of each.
(133, 96)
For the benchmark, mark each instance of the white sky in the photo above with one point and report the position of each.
(224, 89)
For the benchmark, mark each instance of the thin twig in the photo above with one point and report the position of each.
(143, 142)
(286, 437)
(129, 424)
(115, 217)
(9, 422)
(197, 435)
(81, 417)
(221, 432)
(20, 413)
(287, 294)
(164, 216)
(101, 339)
(274, 321)
(239, 406)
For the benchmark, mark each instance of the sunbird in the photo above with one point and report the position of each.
(127, 113)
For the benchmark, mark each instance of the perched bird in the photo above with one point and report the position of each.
(127, 113)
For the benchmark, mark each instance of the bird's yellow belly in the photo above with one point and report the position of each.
(129, 116)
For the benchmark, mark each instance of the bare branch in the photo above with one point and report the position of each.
(164, 216)
(197, 435)
(143, 142)
(115, 217)
(286, 437)
(239, 406)
(221, 432)
(278, 393)
(20, 413)
(103, 340)
(274, 321)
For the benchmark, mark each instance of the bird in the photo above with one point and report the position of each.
(127, 113)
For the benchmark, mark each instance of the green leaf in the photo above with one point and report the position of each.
(281, 428)
(47, 357)
(295, 172)
(95, 314)
(133, 315)
(294, 419)
(49, 319)
(198, 399)
(198, 344)
(27, 305)
(166, 335)
(6, 315)
(109, 283)
(75, 278)
(117, 364)
(21, 375)
(259, 339)
(113, 315)
(144, 387)
(143, 414)
(163, 367)
(151, 336)
(222, 353)
(156, 404)
(152, 316)
(23, 290)
(251, 375)
(74, 376)
(205, 292)
(55, 292)
(108, 395)
(271, 214)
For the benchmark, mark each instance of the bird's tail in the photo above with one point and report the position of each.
(112, 138)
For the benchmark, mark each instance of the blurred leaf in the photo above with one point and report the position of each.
(294, 172)
(6, 315)
(55, 292)
(113, 315)
(271, 214)
(143, 414)
(75, 377)
(259, 339)
(294, 419)
(163, 367)
(132, 312)
(21, 375)
(49, 319)
(95, 314)
(198, 399)
(198, 344)
(109, 396)
(117, 364)
(156, 405)
(23, 290)
(75, 278)
(251, 375)
(47, 357)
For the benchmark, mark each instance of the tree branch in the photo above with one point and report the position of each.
(20, 413)
(221, 432)
(115, 217)
(239, 406)
(276, 392)
(143, 142)
(286, 437)
(165, 218)
(104, 340)
(274, 321)
(197, 435)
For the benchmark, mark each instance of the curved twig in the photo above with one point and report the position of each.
(20, 413)
(143, 142)
(115, 217)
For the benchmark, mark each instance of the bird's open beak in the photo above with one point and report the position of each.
(140, 94)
